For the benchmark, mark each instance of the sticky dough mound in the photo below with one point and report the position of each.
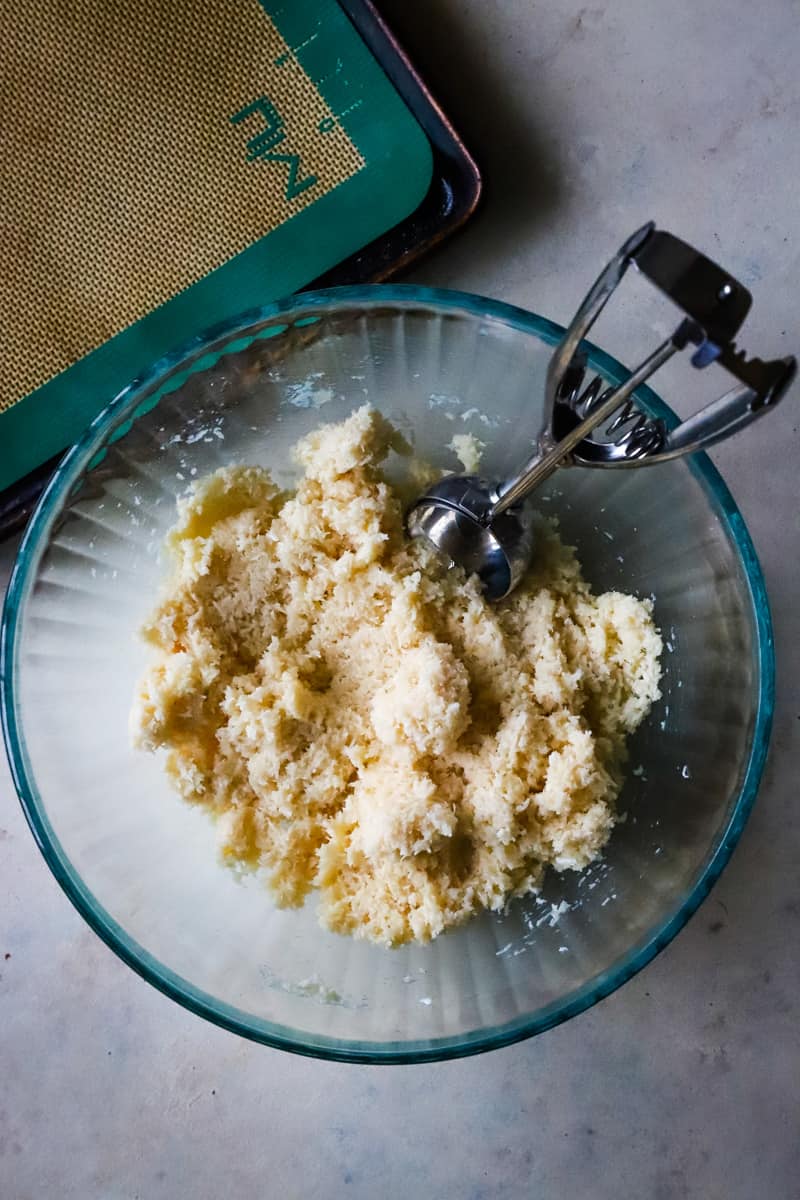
(361, 721)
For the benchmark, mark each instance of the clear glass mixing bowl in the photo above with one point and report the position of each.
(141, 866)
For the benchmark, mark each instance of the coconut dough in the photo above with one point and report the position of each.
(360, 721)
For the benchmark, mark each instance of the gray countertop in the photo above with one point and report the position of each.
(588, 120)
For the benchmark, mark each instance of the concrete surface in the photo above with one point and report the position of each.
(588, 120)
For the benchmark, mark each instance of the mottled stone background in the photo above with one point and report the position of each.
(588, 120)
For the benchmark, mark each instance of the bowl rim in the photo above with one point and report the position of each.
(34, 542)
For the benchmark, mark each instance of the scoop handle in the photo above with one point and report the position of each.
(547, 459)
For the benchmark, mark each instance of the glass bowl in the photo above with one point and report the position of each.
(141, 866)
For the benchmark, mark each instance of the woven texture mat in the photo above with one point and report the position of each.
(144, 144)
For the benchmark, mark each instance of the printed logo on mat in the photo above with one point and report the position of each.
(144, 146)
(263, 145)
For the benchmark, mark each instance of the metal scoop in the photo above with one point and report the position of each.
(486, 527)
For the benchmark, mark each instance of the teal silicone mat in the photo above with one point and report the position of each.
(167, 172)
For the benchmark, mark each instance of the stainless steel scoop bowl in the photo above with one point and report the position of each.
(456, 516)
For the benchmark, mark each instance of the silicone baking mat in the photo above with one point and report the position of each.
(167, 164)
